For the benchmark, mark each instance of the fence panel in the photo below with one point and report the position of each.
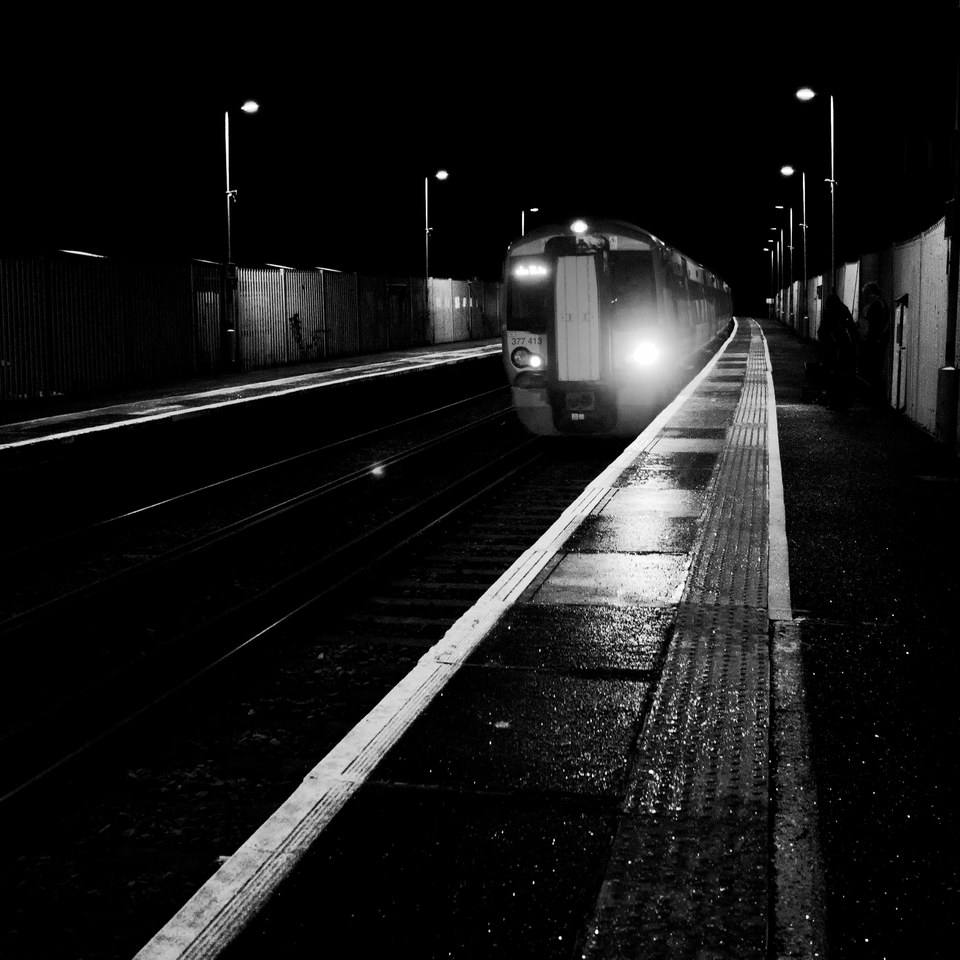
(931, 326)
(24, 339)
(421, 322)
(460, 291)
(304, 313)
(85, 317)
(207, 299)
(340, 311)
(813, 306)
(157, 322)
(475, 288)
(491, 309)
(441, 310)
(373, 314)
(261, 324)
(400, 325)
(848, 285)
(906, 284)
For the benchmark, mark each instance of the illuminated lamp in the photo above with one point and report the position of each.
(645, 354)
(522, 357)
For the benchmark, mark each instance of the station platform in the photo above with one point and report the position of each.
(60, 419)
(601, 720)
(711, 713)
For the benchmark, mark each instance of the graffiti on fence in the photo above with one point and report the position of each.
(315, 346)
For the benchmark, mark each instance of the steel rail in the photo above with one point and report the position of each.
(198, 544)
(411, 525)
(218, 485)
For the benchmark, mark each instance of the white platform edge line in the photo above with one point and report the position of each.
(779, 604)
(799, 913)
(189, 411)
(220, 909)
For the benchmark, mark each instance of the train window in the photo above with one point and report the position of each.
(632, 286)
(529, 293)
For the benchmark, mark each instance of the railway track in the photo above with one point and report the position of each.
(208, 764)
(35, 570)
(100, 652)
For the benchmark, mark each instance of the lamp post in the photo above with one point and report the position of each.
(805, 94)
(772, 284)
(523, 216)
(788, 273)
(229, 272)
(440, 175)
(777, 254)
(250, 106)
(781, 248)
(789, 171)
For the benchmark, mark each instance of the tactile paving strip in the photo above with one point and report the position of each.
(688, 871)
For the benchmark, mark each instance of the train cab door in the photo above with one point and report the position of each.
(578, 319)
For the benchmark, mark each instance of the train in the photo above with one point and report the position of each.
(600, 318)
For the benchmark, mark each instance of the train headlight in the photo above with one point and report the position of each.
(645, 354)
(526, 359)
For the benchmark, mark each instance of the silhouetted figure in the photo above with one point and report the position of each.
(838, 351)
(874, 327)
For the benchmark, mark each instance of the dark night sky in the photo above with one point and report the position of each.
(677, 121)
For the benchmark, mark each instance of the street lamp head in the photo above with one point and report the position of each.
(787, 170)
(805, 93)
(250, 106)
(441, 174)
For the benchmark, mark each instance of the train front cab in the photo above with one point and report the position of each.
(590, 333)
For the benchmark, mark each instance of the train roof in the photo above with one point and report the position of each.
(629, 235)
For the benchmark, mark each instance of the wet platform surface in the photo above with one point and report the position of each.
(583, 763)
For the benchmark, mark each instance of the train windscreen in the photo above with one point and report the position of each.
(633, 288)
(529, 294)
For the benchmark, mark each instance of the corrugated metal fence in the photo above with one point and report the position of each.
(74, 325)
(913, 280)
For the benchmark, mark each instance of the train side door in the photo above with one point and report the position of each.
(578, 319)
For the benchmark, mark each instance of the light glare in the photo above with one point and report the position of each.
(805, 93)
(441, 174)
(251, 106)
(579, 226)
(645, 354)
(787, 170)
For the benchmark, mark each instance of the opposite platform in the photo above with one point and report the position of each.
(64, 420)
